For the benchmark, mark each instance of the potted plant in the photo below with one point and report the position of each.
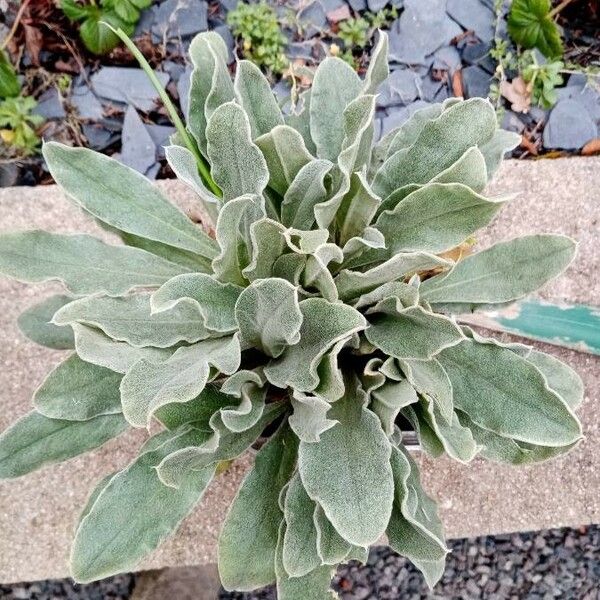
(311, 319)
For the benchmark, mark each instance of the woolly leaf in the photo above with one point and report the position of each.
(122, 198)
(348, 471)
(323, 325)
(253, 92)
(248, 539)
(148, 385)
(35, 441)
(131, 320)
(268, 315)
(238, 166)
(133, 513)
(520, 403)
(35, 323)
(83, 263)
(77, 391)
(505, 272)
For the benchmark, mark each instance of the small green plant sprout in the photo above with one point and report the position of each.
(120, 14)
(542, 76)
(315, 326)
(18, 125)
(356, 33)
(9, 82)
(531, 25)
(259, 31)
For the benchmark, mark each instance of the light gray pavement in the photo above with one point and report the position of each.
(37, 513)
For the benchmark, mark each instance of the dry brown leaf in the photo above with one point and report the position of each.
(591, 148)
(457, 84)
(529, 145)
(518, 93)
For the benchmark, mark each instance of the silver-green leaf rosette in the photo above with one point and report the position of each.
(313, 324)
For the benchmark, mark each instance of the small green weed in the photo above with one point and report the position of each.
(18, 125)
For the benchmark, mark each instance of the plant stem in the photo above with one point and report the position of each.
(558, 8)
(162, 92)
(13, 29)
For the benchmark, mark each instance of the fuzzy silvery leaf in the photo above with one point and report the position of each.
(285, 153)
(77, 391)
(237, 165)
(84, 264)
(456, 439)
(185, 167)
(299, 119)
(356, 151)
(210, 299)
(253, 92)
(210, 84)
(561, 378)
(268, 315)
(309, 419)
(439, 144)
(222, 445)
(133, 513)
(378, 70)
(502, 273)
(332, 548)
(415, 530)
(413, 333)
(233, 234)
(468, 170)
(357, 210)
(431, 381)
(351, 284)
(197, 412)
(97, 348)
(290, 267)
(299, 556)
(36, 324)
(405, 135)
(130, 319)
(335, 85)
(435, 218)
(428, 439)
(323, 325)
(148, 385)
(507, 450)
(520, 403)
(35, 441)
(404, 293)
(355, 247)
(389, 399)
(248, 541)
(268, 243)
(494, 150)
(308, 189)
(358, 502)
(315, 585)
(122, 198)
(331, 381)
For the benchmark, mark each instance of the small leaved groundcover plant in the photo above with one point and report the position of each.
(314, 322)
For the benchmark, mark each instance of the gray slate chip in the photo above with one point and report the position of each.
(131, 86)
(174, 18)
(98, 137)
(227, 36)
(397, 117)
(86, 103)
(358, 4)
(138, 150)
(447, 58)
(479, 54)
(476, 82)
(569, 126)
(50, 105)
(313, 19)
(422, 28)
(183, 90)
(376, 5)
(473, 15)
(400, 88)
(160, 135)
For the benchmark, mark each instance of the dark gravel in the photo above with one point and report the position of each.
(558, 563)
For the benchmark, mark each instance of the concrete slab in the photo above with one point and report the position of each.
(37, 513)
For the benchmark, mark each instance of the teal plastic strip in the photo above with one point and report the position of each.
(574, 326)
